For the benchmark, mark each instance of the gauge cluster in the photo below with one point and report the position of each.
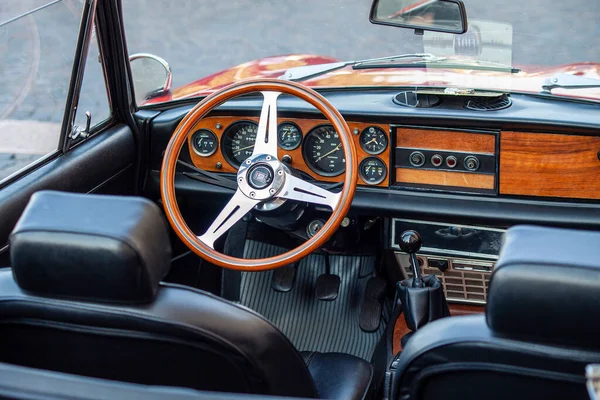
(310, 146)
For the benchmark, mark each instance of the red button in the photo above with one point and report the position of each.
(437, 160)
(451, 162)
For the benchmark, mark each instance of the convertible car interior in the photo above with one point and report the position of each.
(269, 237)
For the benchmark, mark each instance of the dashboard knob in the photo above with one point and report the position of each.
(286, 159)
(417, 159)
(471, 163)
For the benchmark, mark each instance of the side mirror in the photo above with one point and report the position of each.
(422, 15)
(151, 76)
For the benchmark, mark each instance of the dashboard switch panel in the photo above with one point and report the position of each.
(443, 159)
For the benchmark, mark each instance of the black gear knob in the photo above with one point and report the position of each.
(410, 242)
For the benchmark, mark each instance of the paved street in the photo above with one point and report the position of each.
(201, 37)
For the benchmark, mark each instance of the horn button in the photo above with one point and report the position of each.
(260, 177)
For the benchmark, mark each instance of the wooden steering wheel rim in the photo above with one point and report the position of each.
(179, 138)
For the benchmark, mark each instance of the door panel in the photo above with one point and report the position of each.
(102, 164)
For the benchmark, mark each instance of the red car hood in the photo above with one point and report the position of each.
(530, 79)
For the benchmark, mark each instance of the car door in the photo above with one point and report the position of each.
(56, 64)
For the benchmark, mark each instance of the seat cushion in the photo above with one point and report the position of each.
(339, 376)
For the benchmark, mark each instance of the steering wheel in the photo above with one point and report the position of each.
(262, 177)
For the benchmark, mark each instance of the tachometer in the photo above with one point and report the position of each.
(238, 142)
(323, 151)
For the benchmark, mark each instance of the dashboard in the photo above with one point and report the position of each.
(492, 162)
(537, 160)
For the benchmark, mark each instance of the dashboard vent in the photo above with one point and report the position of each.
(488, 103)
(416, 100)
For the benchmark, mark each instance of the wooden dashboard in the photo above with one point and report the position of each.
(490, 162)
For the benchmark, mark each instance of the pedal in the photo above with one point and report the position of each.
(372, 305)
(327, 287)
(283, 278)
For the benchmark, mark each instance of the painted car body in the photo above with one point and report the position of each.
(529, 79)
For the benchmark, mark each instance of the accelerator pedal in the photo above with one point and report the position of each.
(372, 304)
(283, 278)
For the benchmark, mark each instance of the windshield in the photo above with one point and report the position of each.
(209, 44)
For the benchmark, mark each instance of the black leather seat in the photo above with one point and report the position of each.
(540, 330)
(83, 296)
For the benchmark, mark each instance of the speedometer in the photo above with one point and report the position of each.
(323, 151)
(238, 142)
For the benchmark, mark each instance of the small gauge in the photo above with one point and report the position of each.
(373, 140)
(372, 170)
(204, 143)
(289, 136)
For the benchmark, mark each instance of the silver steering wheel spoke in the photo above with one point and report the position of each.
(300, 190)
(236, 208)
(266, 136)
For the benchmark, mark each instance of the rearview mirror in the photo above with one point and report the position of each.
(151, 76)
(422, 15)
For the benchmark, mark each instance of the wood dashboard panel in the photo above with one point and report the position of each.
(475, 143)
(447, 140)
(305, 125)
(445, 178)
(552, 165)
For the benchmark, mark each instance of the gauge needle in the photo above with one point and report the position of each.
(245, 148)
(374, 140)
(325, 155)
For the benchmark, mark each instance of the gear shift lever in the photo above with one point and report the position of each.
(421, 297)
(410, 242)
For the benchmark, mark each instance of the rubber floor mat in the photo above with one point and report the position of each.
(309, 323)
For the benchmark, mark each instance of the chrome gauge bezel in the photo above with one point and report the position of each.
(214, 137)
(362, 175)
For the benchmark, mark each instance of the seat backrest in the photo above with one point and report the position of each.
(83, 297)
(541, 328)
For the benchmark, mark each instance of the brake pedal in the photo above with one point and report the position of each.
(283, 278)
(372, 304)
(327, 287)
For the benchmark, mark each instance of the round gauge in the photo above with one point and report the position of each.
(204, 143)
(373, 140)
(323, 151)
(238, 142)
(372, 170)
(289, 136)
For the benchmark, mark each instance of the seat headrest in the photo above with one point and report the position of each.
(546, 287)
(90, 247)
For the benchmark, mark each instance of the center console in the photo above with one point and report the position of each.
(461, 256)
